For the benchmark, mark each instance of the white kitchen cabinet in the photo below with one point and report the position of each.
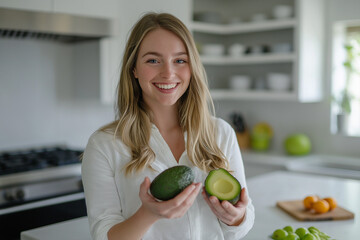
(303, 31)
(93, 8)
(35, 5)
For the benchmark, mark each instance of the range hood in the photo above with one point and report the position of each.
(21, 24)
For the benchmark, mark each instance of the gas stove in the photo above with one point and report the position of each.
(39, 186)
(32, 159)
(37, 174)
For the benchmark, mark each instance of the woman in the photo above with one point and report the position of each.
(163, 119)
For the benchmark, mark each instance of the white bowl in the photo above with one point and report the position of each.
(240, 82)
(213, 49)
(282, 11)
(236, 50)
(278, 81)
(281, 48)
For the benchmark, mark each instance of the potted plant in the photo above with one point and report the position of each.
(345, 97)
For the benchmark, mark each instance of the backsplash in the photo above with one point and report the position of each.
(38, 101)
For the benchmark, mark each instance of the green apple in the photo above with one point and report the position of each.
(297, 144)
(263, 128)
(261, 136)
(260, 142)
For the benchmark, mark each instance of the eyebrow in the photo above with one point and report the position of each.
(159, 55)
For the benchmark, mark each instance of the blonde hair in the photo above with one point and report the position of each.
(133, 117)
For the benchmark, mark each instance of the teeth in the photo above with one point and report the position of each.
(166, 86)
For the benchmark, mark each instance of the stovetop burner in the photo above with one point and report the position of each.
(33, 159)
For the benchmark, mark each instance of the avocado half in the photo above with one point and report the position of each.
(171, 182)
(221, 184)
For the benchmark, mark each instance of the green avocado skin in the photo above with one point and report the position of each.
(171, 182)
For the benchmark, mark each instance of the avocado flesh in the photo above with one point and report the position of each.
(171, 182)
(221, 184)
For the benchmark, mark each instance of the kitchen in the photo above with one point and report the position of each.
(44, 104)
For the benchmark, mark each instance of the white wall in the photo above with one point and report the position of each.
(38, 105)
(38, 101)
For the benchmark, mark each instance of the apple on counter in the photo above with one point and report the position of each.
(261, 136)
(297, 144)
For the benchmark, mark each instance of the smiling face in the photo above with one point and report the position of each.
(162, 68)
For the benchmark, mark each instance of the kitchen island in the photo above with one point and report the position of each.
(265, 191)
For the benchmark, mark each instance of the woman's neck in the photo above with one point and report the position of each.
(166, 118)
(167, 121)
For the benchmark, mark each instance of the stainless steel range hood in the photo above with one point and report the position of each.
(52, 26)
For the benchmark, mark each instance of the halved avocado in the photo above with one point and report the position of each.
(221, 184)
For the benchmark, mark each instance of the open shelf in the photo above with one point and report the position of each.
(249, 59)
(302, 60)
(224, 29)
(228, 94)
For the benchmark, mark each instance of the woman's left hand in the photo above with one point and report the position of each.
(232, 215)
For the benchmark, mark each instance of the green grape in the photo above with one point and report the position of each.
(316, 235)
(292, 236)
(309, 236)
(313, 230)
(289, 229)
(323, 236)
(301, 232)
(279, 234)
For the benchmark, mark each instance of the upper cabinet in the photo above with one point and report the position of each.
(35, 5)
(268, 50)
(93, 8)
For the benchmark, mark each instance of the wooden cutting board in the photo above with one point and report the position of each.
(297, 210)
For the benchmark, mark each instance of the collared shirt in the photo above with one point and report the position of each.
(111, 197)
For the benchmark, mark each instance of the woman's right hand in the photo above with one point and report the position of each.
(173, 208)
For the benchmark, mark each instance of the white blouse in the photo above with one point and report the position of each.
(112, 197)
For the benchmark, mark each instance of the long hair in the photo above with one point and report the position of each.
(133, 118)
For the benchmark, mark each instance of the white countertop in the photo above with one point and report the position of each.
(328, 165)
(265, 190)
(76, 229)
